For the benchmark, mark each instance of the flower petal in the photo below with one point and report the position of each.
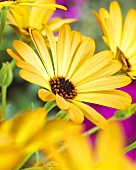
(63, 48)
(29, 56)
(129, 29)
(112, 98)
(103, 83)
(108, 70)
(14, 55)
(33, 122)
(75, 114)
(82, 54)
(56, 23)
(92, 65)
(46, 95)
(116, 19)
(35, 79)
(92, 115)
(76, 39)
(52, 42)
(41, 47)
(61, 102)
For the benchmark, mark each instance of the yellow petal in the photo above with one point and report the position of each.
(92, 65)
(56, 23)
(116, 19)
(108, 70)
(35, 79)
(14, 55)
(105, 83)
(41, 47)
(111, 36)
(44, 14)
(33, 121)
(63, 48)
(106, 141)
(28, 67)
(83, 52)
(46, 95)
(61, 103)
(76, 39)
(113, 98)
(92, 115)
(29, 56)
(52, 42)
(103, 13)
(130, 52)
(75, 114)
(42, 5)
(129, 29)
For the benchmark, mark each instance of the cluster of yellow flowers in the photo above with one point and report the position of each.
(71, 75)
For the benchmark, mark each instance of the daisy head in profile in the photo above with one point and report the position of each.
(35, 16)
(70, 74)
(120, 36)
(17, 5)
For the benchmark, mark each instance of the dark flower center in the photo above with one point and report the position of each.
(63, 87)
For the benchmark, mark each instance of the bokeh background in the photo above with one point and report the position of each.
(23, 95)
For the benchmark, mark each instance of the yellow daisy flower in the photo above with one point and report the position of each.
(20, 23)
(77, 153)
(72, 75)
(119, 36)
(14, 4)
(27, 133)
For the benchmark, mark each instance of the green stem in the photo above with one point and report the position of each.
(96, 128)
(129, 148)
(91, 131)
(49, 105)
(24, 160)
(62, 115)
(4, 94)
(37, 157)
(3, 16)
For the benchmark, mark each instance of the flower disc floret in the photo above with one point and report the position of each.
(63, 87)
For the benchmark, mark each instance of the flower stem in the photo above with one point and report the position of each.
(37, 157)
(4, 94)
(62, 115)
(50, 105)
(91, 131)
(23, 161)
(96, 128)
(129, 148)
(3, 16)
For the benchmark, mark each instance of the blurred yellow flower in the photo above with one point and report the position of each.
(72, 75)
(118, 36)
(35, 17)
(26, 133)
(15, 137)
(75, 152)
(16, 5)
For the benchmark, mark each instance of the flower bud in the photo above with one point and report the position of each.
(6, 75)
(124, 114)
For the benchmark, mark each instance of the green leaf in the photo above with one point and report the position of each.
(125, 114)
